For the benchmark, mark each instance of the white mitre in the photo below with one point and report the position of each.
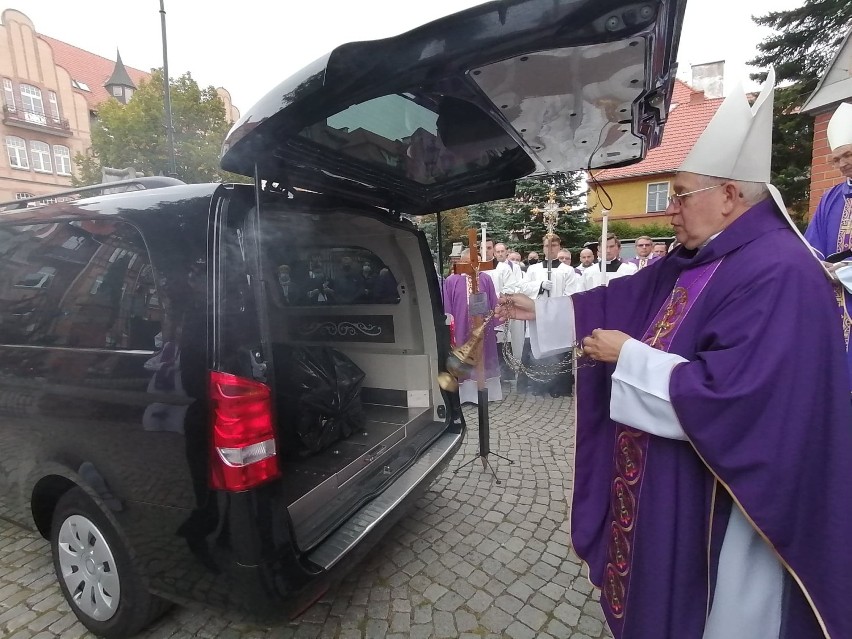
(840, 127)
(737, 143)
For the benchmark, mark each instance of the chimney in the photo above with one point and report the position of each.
(709, 78)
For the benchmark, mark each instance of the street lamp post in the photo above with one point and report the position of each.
(170, 130)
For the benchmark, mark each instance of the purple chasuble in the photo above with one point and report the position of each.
(455, 302)
(830, 231)
(766, 409)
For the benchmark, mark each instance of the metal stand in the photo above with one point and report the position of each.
(484, 437)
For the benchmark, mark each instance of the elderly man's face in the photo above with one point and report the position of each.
(698, 216)
(500, 252)
(587, 257)
(564, 257)
(842, 159)
(644, 247)
(612, 250)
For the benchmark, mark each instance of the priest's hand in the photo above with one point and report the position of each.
(604, 345)
(515, 306)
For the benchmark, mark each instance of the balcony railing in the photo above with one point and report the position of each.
(28, 119)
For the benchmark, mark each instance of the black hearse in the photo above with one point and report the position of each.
(226, 394)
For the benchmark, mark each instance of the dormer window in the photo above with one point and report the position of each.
(117, 92)
(80, 85)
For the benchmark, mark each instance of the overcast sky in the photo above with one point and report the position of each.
(248, 46)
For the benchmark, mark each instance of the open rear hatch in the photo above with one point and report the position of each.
(452, 113)
(447, 115)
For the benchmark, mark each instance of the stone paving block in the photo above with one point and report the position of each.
(517, 630)
(495, 620)
(532, 617)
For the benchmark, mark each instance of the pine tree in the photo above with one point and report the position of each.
(804, 44)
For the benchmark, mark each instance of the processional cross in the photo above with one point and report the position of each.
(478, 307)
(550, 216)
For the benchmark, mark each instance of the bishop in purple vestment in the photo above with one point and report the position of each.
(757, 390)
(830, 229)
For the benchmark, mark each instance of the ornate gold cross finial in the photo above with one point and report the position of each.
(550, 212)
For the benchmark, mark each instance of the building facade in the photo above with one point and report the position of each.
(638, 194)
(51, 93)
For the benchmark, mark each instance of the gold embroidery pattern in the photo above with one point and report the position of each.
(674, 309)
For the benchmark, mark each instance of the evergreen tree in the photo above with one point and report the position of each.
(805, 41)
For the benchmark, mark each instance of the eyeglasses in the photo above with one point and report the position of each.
(564, 259)
(678, 198)
(641, 245)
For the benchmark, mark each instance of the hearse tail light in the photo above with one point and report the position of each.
(243, 448)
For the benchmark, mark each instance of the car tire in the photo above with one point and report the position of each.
(95, 570)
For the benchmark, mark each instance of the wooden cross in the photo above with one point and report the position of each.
(471, 269)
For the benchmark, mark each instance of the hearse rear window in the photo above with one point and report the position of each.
(423, 137)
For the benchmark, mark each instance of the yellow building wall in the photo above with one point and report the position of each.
(629, 201)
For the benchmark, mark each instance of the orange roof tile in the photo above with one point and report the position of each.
(91, 69)
(689, 116)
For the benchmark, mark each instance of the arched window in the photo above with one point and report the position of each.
(41, 157)
(17, 150)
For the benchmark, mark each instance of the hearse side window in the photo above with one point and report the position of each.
(344, 275)
(80, 284)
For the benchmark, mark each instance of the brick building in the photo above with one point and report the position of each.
(835, 86)
(51, 93)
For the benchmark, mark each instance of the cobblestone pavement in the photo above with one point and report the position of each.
(474, 559)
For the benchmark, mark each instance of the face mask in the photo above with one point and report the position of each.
(533, 260)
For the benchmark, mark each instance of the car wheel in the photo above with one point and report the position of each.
(95, 571)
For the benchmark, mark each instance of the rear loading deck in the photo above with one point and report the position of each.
(317, 488)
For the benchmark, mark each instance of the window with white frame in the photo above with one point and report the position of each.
(9, 94)
(17, 150)
(53, 103)
(117, 92)
(40, 153)
(658, 196)
(22, 196)
(62, 159)
(32, 104)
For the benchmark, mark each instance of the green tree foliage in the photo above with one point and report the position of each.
(805, 41)
(516, 222)
(135, 135)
